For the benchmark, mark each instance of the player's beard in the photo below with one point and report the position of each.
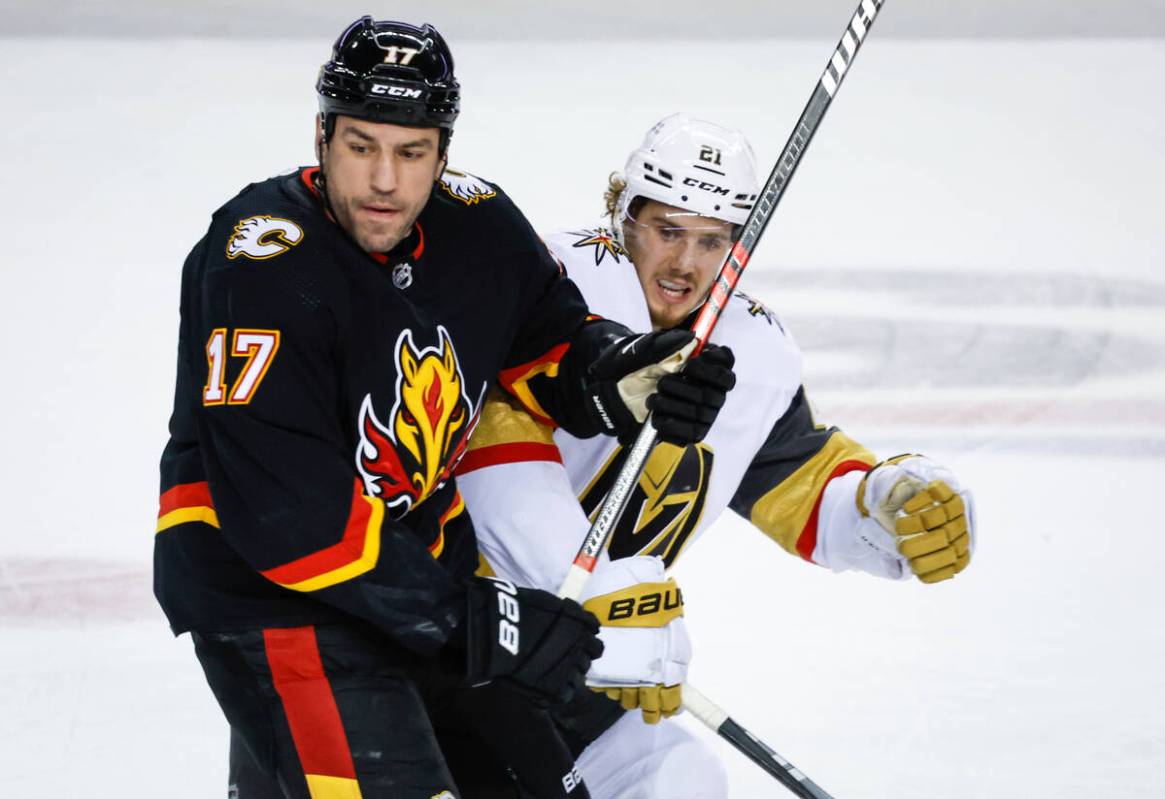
(670, 311)
(375, 235)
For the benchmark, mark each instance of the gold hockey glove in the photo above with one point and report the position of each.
(922, 505)
(654, 701)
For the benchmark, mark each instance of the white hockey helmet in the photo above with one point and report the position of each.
(694, 165)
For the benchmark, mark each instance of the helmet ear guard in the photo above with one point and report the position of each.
(693, 165)
(394, 72)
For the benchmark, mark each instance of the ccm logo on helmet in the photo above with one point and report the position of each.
(395, 91)
(705, 186)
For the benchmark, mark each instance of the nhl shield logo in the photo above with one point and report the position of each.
(402, 275)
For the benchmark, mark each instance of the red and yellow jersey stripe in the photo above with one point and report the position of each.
(516, 380)
(297, 671)
(455, 509)
(184, 503)
(354, 554)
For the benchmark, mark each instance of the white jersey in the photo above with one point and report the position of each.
(764, 456)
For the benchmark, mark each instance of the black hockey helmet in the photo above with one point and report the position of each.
(386, 71)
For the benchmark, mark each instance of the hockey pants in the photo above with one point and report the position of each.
(329, 711)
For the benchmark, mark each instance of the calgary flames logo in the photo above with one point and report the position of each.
(263, 237)
(429, 426)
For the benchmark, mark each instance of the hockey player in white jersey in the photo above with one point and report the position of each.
(817, 493)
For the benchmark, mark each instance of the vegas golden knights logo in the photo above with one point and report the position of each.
(665, 506)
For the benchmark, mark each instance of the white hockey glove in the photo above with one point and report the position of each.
(916, 509)
(645, 643)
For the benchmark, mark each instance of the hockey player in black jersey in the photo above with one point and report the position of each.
(340, 327)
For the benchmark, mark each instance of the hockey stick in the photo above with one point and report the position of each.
(750, 746)
(725, 282)
(616, 500)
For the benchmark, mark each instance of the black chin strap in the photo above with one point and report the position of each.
(320, 180)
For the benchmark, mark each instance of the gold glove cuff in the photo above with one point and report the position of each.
(639, 605)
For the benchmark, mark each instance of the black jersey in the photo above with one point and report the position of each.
(324, 395)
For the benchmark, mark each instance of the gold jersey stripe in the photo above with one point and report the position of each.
(783, 512)
(483, 567)
(183, 515)
(505, 421)
(322, 786)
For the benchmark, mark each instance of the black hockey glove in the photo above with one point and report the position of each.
(542, 644)
(625, 377)
(686, 404)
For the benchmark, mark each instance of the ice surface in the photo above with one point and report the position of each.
(970, 256)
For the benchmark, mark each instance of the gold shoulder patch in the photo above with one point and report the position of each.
(261, 237)
(465, 187)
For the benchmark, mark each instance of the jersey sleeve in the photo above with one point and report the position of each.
(280, 468)
(782, 489)
(529, 522)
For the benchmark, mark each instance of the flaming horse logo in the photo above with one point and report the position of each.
(429, 426)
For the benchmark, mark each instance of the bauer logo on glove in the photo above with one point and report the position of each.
(627, 608)
(646, 649)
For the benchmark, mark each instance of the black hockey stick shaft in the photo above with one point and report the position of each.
(725, 283)
(750, 746)
(787, 163)
(728, 729)
(759, 752)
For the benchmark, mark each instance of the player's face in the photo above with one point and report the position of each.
(676, 255)
(378, 178)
